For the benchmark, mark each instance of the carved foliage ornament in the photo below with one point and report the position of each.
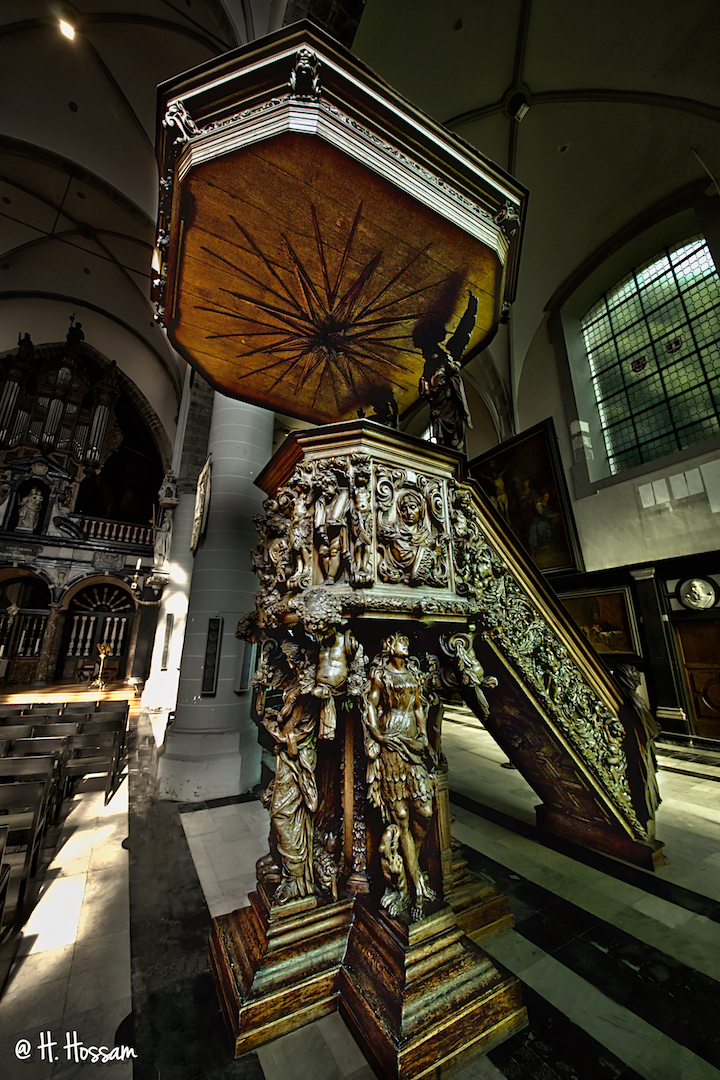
(178, 117)
(513, 622)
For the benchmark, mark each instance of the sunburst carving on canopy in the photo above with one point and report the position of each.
(301, 275)
(345, 326)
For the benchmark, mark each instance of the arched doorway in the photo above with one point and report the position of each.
(99, 613)
(24, 610)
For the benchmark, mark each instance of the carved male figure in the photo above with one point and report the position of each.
(331, 510)
(361, 520)
(339, 657)
(300, 532)
(399, 761)
(163, 539)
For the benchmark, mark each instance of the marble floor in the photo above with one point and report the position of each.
(620, 967)
(68, 985)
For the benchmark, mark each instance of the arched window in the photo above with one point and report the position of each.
(653, 343)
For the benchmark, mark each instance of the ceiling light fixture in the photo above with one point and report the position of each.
(68, 19)
(517, 105)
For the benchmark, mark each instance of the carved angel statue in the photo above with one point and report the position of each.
(441, 382)
(400, 760)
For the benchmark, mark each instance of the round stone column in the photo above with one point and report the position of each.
(211, 749)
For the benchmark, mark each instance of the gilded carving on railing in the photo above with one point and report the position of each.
(470, 561)
(467, 671)
(513, 622)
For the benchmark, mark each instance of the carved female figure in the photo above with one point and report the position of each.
(410, 548)
(294, 798)
(29, 511)
(399, 761)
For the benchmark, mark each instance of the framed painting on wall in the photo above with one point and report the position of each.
(524, 480)
(606, 618)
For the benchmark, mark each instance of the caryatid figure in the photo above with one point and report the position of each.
(400, 759)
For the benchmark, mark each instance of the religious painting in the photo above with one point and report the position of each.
(524, 481)
(606, 618)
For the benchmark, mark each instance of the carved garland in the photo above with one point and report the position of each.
(510, 618)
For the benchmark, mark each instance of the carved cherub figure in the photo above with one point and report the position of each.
(301, 529)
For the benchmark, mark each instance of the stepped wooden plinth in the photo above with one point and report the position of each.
(414, 996)
(276, 968)
(480, 910)
(417, 996)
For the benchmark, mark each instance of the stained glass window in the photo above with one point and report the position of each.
(653, 344)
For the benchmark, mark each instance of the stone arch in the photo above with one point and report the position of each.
(96, 609)
(86, 581)
(20, 570)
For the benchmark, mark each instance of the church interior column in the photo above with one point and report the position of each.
(211, 749)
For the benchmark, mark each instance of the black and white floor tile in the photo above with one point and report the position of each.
(620, 967)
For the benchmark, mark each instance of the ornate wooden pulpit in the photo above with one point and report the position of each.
(327, 251)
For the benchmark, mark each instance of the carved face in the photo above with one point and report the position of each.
(698, 595)
(329, 486)
(397, 645)
(409, 510)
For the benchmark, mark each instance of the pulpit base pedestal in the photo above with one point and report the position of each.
(414, 996)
